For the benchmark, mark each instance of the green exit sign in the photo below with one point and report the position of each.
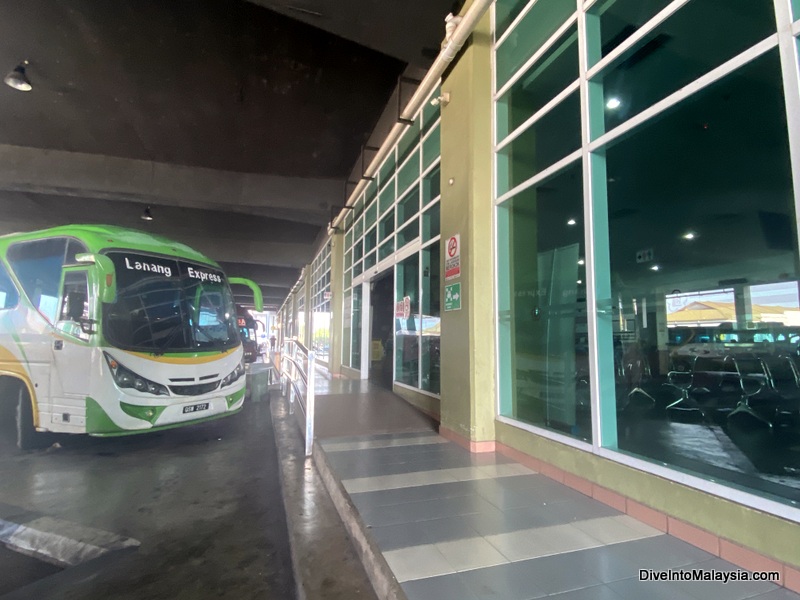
(452, 297)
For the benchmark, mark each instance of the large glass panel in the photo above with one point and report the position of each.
(386, 170)
(408, 173)
(408, 234)
(505, 13)
(408, 207)
(370, 215)
(386, 249)
(347, 325)
(551, 138)
(431, 148)
(408, 141)
(541, 22)
(355, 351)
(357, 269)
(370, 260)
(430, 223)
(543, 80)
(796, 9)
(358, 230)
(348, 278)
(543, 327)
(358, 251)
(706, 318)
(322, 333)
(407, 321)
(617, 20)
(348, 259)
(700, 36)
(386, 226)
(431, 186)
(371, 191)
(430, 327)
(387, 196)
(430, 113)
(371, 240)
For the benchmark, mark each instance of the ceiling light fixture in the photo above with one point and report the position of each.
(689, 235)
(17, 78)
(655, 268)
(613, 103)
(147, 215)
(581, 261)
(571, 222)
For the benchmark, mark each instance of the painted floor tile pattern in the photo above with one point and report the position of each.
(452, 524)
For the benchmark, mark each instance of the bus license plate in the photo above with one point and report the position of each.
(195, 408)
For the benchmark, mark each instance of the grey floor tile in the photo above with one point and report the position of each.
(779, 594)
(554, 576)
(659, 552)
(447, 529)
(598, 592)
(444, 587)
(497, 521)
(582, 508)
(503, 582)
(597, 563)
(633, 589)
(379, 516)
(412, 494)
(717, 590)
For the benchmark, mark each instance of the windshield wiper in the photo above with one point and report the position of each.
(162, 349)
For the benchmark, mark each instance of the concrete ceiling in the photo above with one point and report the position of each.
(237, 122)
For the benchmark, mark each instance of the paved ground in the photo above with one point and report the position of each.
(205, 502)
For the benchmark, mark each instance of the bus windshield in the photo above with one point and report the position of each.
(167, 305)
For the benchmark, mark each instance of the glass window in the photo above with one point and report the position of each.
(408, 142)
(539, 24)
(700, 36)
(408, 173)
(408, 207)
(408, 234)
(9, 297)
(370, 215)
(548, 140)
(544, 366)
(74, 304)
(505, 13)
(387, 197)
(617, 20)
(371, 240)
(371, 191)
(357, 269)
(358, 251)
(430, 327)
(370, 260)
(431, 186)
(431, 148)
(430, 223)
(386, 249)
(705, 305)
(359, 229)
(407, 325)
(347, 325)
(37, 266)
(355, 353)
(796, 9)
(543, 80)
(386, 170)
(386, 226)
(348, 259)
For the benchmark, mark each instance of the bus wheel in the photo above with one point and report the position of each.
(27, 437)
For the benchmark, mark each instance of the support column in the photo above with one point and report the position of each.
(468, 357)
(337, 303)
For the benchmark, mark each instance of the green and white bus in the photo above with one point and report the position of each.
(111, 331)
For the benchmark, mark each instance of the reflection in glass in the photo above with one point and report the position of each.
(407, 321)
(619, 20)
(430, 328)
(700, 36)
(548, 140)
(355, 354)
(543, 327)
(706, 317)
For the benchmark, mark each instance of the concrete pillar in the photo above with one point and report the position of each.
(468, 355)
(744, 306)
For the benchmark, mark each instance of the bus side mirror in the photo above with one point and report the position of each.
(258, 298)
(107, 277)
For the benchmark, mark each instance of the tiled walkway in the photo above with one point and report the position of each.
(456, 525)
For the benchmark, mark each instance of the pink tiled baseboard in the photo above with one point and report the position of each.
(706, 540)
(474, 447)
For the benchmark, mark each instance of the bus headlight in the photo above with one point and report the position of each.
(125, 378)
(235, 375)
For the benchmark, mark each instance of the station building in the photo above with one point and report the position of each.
(582, 252)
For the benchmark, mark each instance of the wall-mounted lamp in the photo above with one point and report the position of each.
(18, 79)
(147, 215)
(444, 99)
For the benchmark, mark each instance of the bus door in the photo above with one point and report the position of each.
(71, 347)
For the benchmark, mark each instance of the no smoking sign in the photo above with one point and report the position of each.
(452, 264)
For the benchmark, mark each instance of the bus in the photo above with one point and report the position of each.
(248, 331)
(109, 331)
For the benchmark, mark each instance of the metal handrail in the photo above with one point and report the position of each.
(296, 357)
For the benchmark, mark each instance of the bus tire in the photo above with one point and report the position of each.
(27, 437)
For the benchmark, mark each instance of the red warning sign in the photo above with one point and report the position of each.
(452, 262)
